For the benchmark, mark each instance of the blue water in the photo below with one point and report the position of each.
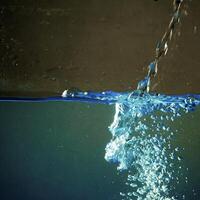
(142, 143)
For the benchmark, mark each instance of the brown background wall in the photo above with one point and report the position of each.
(49, 46)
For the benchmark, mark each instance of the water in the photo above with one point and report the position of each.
(56, 150)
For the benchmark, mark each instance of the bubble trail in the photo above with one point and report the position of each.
(141, 143)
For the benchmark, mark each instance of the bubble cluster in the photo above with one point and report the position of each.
(141, 143)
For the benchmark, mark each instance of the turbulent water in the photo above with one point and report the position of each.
(141, 143)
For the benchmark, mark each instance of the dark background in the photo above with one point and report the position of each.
(48, 46)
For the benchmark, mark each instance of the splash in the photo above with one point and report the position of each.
(141, 142)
